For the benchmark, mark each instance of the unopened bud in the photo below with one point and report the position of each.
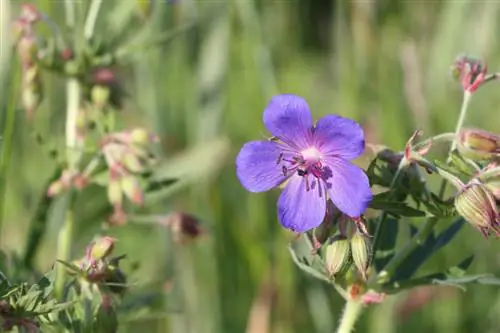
(477, 144)
(477, 206)
(115, 192)
(132, 189)
(30, 13)
(360, 252)
(140, 136)
(132, 162)
(100, 96)
(338, 256)
(57, 187)
(102, 248)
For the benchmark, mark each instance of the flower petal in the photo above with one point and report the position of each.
(288, 118)
(348, 187)
(299, 209)
(338, 136)
(257, 167)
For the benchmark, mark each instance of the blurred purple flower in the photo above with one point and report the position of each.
(313, 160)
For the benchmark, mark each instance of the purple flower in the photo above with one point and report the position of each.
(313, 160)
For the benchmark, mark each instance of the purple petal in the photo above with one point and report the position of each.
(299, 209)
(348, 187)
(338, 136)
(288, 118)
(257, 168)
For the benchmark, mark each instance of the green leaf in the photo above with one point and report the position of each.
(422, 253)
(387, 245)
(302, 254)
(198, 164)
(395, 208)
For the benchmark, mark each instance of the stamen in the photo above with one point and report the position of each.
(280, 157)
(284, 170)
(302, 172)
(308, 188)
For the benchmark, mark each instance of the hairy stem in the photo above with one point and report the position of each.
(352, 311)
(73, 100)
(386, 274)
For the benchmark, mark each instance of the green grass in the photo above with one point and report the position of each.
(213, 80)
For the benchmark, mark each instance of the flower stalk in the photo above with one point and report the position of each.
(352, 311)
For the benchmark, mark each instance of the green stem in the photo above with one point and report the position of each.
(351, 313)
(386, 274)
(7, 136)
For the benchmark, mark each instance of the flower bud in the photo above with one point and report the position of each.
(139, 136)
(338, 256)
(478, 144)
(100, 96)
(477, 206)
(57, 187)
(470, 72)
(115, 192)
(132, 189)
(132, 162)
(30, 13)
(360, 252)
(102, 248)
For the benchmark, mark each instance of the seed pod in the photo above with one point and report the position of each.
(337, 256)
(478, 144)
(360, 252)
(477, 206)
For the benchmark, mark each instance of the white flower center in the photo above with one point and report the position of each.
(311, 155)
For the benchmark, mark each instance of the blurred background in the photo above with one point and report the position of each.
(385, 63)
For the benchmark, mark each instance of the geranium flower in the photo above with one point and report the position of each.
(313, 160)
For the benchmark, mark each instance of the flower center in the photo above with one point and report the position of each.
(305, 163)
(311, 155)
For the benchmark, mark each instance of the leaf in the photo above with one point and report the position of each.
(395, 208)
(194, 166)
(422, 253)
(302, 254)
(386, 248)
(453, 276)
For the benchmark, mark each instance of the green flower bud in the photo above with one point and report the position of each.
(337, 256)
(139, 136)
(478, 207)
(360, 250)
(100, 96)
(132, 162)
(478, 144)
(102, 248)
(115, 192)
(132, 189)
(57, 187)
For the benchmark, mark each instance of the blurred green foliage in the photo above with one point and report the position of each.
(385, 64)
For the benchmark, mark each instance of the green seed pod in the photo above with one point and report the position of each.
(478, 144)
(337, 256)
(360, 249)
(477, 206)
